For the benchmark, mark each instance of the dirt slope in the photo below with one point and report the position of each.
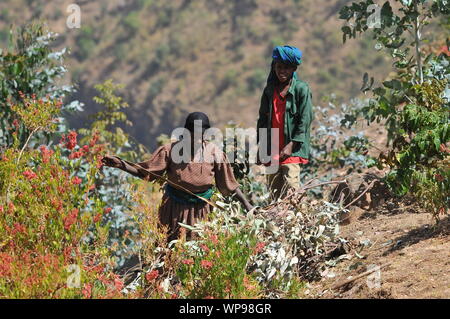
(403, 236)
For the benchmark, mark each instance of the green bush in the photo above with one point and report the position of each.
(414, 103)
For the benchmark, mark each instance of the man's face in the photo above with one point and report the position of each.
(284, 71)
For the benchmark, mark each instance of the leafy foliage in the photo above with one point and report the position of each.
(114, 188)
(264, 253)
(50, 218)
(30, 67)
(414, 103)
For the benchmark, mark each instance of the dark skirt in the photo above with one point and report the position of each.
(172, 212)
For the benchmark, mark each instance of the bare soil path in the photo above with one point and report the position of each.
(398, 233)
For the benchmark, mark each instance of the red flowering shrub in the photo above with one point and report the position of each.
(152, 275)
(29, 174)
(218, 269)
(76, 180)
(50, 245)
(188, 261)
(75, 155)
(206, 264)
(70, 141)
(45, 153)
(44, 218)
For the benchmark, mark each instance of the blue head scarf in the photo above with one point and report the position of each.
(287, 54)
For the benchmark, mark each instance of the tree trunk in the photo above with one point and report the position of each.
(417, 36)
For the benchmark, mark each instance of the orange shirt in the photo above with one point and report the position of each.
(279, 108)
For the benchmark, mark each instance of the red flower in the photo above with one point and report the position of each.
(118, 284)
(107, 210)
(85, 148)
(206, 264)
(259, 247)
(444, 50)
(76, 180)
(214, 239)
(94, 140)
(67, 252)
(87, 291)
(72, 140)
(188, 262)
(443, 148)
(16, 124)
(1, 209)
(98, 269)
(152, 275)
(248, 285)
(75, 155)
(99, 163)
(439, 177)
(5, 264)
(18, 228)
(29, 174)
(57, 204)
(70, 219)
(97, 218)
(58, 104)
(45, 153)
(11, 208)
(204, 247)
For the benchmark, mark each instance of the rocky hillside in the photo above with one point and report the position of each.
(210, 55)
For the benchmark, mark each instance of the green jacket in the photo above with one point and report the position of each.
(298, 115)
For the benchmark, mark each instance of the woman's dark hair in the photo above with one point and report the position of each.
(197, 116)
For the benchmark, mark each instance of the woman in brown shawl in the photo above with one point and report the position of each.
(190, 181)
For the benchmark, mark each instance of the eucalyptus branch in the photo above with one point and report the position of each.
(26, 143)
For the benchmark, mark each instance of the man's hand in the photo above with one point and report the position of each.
(258, 160)
(286, 151)
(112, 161)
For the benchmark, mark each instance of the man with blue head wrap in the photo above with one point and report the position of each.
(286, 105)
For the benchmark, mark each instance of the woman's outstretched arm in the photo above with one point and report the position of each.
(157, 164)
(117, 162)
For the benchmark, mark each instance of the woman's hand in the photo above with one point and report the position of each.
(248, 206)
(112, 161)
(241, 197)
